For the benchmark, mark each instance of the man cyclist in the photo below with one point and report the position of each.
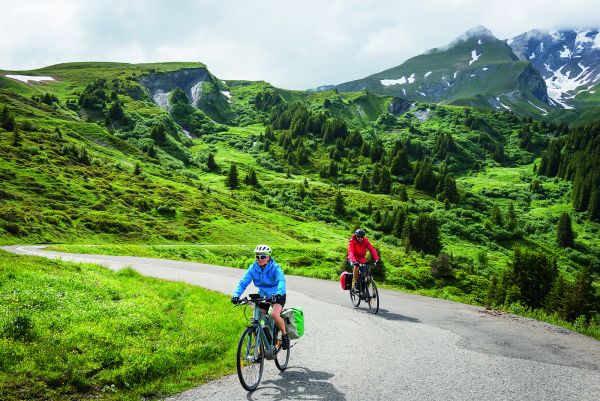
(357, 253)
(268, 277)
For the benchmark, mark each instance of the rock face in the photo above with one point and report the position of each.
(568, 60)
(529, 81)
(189, 80)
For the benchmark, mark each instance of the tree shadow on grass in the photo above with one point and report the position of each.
(297, 383)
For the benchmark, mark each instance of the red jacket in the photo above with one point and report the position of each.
(357, 251)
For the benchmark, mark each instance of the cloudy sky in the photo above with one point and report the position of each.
(292, 44)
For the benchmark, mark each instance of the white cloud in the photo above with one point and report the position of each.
(290, 44)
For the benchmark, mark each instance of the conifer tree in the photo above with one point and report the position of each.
(385, 183)
(364, 182)
(556, 301)
(232, 177)
(402, 194)
(377, 217)
(340, 208)
(533, 273)
(582, 295)
(496, 216)
(158, 133)
(16, 137)
(564, 231)
(399, 218)
(376, 177)
(333, 169)
(211, 164)
(251, 178)
(151, 151)
(511, 217)
(594, 204)
(8, 120)
(301, 191)
(450, 191)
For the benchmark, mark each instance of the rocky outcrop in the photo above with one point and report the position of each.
(189, 80)
(530, 81)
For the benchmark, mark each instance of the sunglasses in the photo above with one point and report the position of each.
(261, 256)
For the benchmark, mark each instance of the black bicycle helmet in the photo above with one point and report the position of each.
(360, 233)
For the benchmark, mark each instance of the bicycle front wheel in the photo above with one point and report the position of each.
(372, 297)
(250, 360)
(282, 356)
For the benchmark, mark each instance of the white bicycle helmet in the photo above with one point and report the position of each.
(262, 249)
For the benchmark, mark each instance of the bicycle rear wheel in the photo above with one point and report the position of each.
(372, 296)
(282, 356)
(250, 360)
(354, 297)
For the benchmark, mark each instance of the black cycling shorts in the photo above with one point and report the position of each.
(265, 306)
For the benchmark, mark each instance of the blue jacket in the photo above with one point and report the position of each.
(269, 280)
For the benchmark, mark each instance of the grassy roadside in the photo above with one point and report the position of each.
(72, 331)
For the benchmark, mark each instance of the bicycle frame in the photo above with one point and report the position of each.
(364, 272)
(269, 324)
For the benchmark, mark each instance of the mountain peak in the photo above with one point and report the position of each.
(477, 32)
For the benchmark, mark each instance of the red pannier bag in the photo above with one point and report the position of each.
(346, 281)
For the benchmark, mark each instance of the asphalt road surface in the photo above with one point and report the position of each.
(416, 348)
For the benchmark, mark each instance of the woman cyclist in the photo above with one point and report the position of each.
(357, 252)
(268, 277)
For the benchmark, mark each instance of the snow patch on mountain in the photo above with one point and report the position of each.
(389, 82)
(28, 78)
(411, 79)
(581, 39)
(539, 108)
(474, 56)
(565, 53)
(427, 74)
(596, 42)
(502, 104)
(559, 84)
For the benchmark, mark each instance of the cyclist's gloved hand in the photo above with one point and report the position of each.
(235, 300)
(355, 263)
(275, 298)
(377, 262)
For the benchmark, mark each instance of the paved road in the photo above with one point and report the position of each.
(416, 348)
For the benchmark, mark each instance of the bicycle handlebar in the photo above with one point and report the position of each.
(254, 300)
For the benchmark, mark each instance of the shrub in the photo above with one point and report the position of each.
(19, 328)
(166, 210)
(109, 223)
(441, 267)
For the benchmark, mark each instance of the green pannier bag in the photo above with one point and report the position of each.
(294, 322)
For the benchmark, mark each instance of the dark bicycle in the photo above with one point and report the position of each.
(260, 340)
(367, 289)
